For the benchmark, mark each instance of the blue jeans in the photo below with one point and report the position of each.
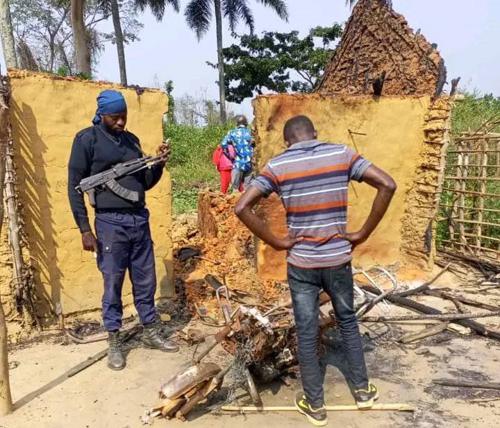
(124, 243)
(305, 286)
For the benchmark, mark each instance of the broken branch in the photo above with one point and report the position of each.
(425, 285)
(448, 317)
(426, 332)
(466, 384)
(419, 307)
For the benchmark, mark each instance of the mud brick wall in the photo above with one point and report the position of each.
(46, 112)
(419, 227)
(403, 135)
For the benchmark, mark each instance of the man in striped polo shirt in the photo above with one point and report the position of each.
(311, 177)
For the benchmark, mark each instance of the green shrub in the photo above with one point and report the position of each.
(191, 162)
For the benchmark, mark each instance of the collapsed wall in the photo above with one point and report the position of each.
(46, 113)
(405, 136)
(378, 44)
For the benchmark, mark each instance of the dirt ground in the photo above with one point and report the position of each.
(98, 397)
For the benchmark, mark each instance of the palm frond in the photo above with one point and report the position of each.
(236, 10)
(198, 16)
(157, 6)
(279, 7)
(247, 16)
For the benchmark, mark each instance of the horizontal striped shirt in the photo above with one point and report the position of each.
(312, 178)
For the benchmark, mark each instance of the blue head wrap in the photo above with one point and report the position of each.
(109, 102)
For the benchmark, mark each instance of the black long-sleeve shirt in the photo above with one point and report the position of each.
(95, 150)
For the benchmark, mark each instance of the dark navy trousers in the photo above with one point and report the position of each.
(305, 286)
(124, 243)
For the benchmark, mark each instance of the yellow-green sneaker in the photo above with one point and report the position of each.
(365, 398)
(317, 417)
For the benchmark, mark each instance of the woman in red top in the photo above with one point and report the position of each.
(224, 165)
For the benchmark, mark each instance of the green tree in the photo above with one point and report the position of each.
(278, 62)
(199, 14)
(44, 34)
(158, 9)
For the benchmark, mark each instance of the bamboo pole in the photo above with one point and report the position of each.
(484, 223)
(463, 188)
(484, 176)
(452, 243)
(454, 209)
(471, 151)
(476, 165)
(451, 177)
(5, 394)
(398, 407)
(492, 210)
(470, 192)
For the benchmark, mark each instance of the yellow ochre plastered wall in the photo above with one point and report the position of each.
(388, 131)
(46, 113)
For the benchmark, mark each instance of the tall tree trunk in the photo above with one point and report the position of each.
(5, 396)
(120, 47)
(220, 61)
(7, 34)
(52, 46)
(25, 58)
(64, 57)
(82, 48)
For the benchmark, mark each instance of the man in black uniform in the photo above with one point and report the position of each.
(122, 226)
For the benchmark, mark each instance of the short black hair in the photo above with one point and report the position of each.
(298, 128)
(241, 120)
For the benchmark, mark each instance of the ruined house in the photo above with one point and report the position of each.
(381, 94)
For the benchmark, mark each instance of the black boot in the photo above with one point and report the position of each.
(116, 359)
(152, 338)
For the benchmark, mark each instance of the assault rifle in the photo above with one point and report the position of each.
(108, 178)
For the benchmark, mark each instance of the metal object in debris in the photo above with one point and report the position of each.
(252, 389)
(257, 315)
(186, 253)
(370, 304)
(225, 307)
(188, 378)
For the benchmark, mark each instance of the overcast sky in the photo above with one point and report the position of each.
(467, 33)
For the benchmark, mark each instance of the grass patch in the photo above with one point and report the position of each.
(191, 162)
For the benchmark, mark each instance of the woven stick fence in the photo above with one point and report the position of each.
(469, 220)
